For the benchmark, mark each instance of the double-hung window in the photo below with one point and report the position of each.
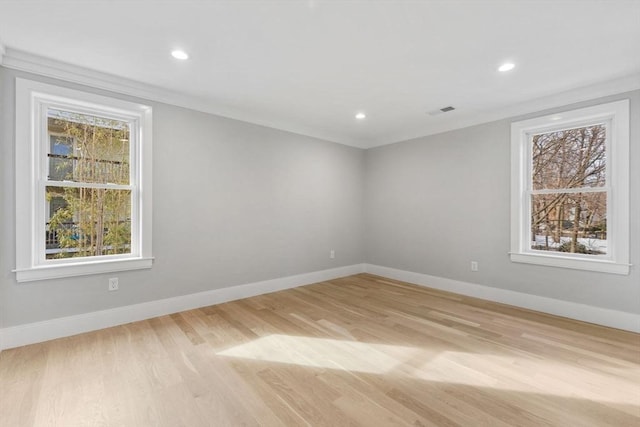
(570, 189)
(83, 183)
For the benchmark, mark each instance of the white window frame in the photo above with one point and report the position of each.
(32, 101)
(615, 116)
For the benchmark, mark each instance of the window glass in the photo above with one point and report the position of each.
(563, 219)
(87, 222)
(86, 148)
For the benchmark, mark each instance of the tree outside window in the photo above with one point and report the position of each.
(569, 197)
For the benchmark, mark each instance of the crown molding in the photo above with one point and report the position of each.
(23, 61)
(538, 105)
(30, 63)
(27, 62)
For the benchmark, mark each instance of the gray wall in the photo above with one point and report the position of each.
(236, 203)
(233, 203)
(434, 204)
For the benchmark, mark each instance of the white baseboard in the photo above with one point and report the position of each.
(16, 336)
(572, 310)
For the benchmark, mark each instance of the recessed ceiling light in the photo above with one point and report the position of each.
(507, 66)
(179, 54)
(361, 116)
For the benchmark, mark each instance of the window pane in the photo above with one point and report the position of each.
(60, 162)
(569, 222)
(86, 148)
(87, 222)
(571, 158)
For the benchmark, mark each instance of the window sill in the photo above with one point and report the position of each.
(81, 269)
(601, 266)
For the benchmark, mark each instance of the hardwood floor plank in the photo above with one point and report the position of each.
(358, 351)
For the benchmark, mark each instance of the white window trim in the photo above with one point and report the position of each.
(31, 97)
(616, 115)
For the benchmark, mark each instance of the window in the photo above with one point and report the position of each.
(570, 189)
(83, 183)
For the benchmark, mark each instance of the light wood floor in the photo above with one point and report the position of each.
(361, 350)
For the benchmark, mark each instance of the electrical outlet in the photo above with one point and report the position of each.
(113, 284)
(332, 254)
(474, 265)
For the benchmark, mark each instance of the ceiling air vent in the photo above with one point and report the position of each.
(441, 110)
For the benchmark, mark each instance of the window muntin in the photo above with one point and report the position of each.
(570, 189)
(83, 183)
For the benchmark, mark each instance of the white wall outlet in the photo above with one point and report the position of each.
(113, 284)
(474, 265)
(332, 254)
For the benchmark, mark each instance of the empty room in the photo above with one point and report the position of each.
(319, 213)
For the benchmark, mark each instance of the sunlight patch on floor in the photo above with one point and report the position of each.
(324, 353)
(451, 367)
(560, 379)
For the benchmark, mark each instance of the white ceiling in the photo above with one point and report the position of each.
(309, 66)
